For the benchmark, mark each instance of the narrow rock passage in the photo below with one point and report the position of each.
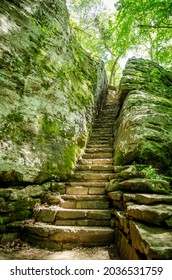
(82, 217)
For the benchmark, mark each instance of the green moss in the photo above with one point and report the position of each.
(119, 158)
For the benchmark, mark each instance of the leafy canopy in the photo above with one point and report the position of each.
(141, 28)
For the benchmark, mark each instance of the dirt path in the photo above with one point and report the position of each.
(22, 251)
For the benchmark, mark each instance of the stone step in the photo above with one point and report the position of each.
(101, 134)
(66, 237)
(103, 124)
(98, 161)
(100, 127)
(86, 184)
(82, 222)
(98, 168)
(95, 204)
(97, 155)
(85, 190)
(107, 111)
(90, 176)
(84, 197)
(101, 137)
(99, 149)
(53, 214)
(100, 142)
(102, 146)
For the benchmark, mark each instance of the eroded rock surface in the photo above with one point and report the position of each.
(143, 128)
(49, 93)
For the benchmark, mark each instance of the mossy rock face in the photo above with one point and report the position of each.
(50, 90)
(141, 185)
(143, 128)
(22, 204)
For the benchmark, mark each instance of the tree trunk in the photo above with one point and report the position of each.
(112, 72)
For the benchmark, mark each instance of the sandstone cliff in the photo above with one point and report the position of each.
(144, 126)
(50, 90)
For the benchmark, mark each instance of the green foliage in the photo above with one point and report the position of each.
(148, 25)
(143, 28)
(150, 173)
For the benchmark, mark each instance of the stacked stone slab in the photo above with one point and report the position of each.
(80, 214)
(142, 215)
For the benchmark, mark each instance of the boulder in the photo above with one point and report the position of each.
(143, 128)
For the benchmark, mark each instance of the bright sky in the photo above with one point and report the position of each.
(109, 3)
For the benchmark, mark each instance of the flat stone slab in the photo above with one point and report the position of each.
(91, 167)
(154, 214)
(117, 196)
(53, 213)
(147, 198)
(141, 185)
(85, 197)
(82, 222)
(70, 234)
(86, 184)
(90, 176)
(85, 190)
(98, 155)
(155, 243)
(84, 204)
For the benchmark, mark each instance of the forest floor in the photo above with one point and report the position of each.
(22, 251)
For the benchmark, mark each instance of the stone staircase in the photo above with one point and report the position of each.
(81, 216)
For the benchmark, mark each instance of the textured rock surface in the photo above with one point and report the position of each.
(145, 122)
(139, 185)
(153, 242)
(49, 92)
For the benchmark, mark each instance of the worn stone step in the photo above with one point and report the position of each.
(84, 197)
(100, 141)
(102, 146)
(101, 137)
(66, 237)
(108, 112)
(101, 134)
(99, 128)
(86, 184)
(98, 168)
(85, 190)
(103, 125)
(90, 176)
(95, 204)
(101, 150)
(53, 214)
(82, 222)
(98, 161)
(97, 155)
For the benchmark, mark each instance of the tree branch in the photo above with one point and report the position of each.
(155, 26)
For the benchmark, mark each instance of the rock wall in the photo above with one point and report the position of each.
(141, 192)
(144, 126)
(50, 90)
(18, 203)
(142, 214)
